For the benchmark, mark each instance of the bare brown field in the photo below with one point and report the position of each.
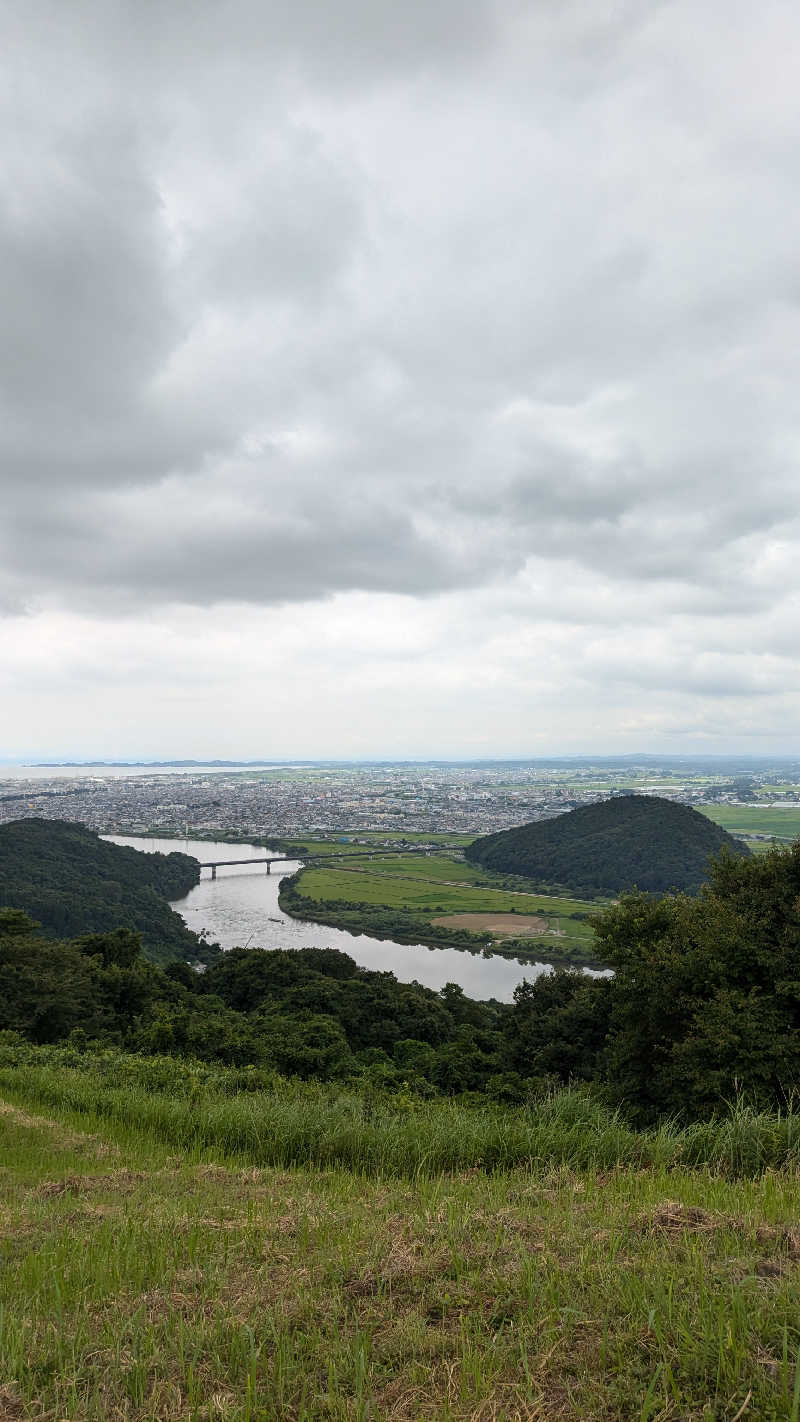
(515, 925)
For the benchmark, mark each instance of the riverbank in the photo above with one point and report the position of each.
(240, 908)
(445, 884)
(383, 921)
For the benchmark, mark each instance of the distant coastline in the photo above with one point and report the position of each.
(152, 764)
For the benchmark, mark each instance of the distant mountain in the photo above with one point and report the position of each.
(630, 841)
(73, 882)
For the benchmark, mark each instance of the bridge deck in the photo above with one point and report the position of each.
(220, 863)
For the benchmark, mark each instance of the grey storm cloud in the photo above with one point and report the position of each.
(303, 299)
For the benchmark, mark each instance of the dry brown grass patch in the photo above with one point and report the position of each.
(780, 1237)
(769, 1268)
(399, 1402)
(10, 1406)
(672, 1217)
(122, 1181)
(525, 1227)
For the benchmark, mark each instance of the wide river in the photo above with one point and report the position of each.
(240, 909)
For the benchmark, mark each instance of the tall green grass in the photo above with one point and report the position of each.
(254, 1117)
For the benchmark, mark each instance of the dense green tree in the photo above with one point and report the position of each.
(46, 989)
(558, 1026)
(464, 1010)
(121, 947)
(413, 1058)
(16, 924)
(203, 1028)
(706, 997)
(73, 882)
(459, 1066)
(632, 841)
(309, 1046)
(245, 977)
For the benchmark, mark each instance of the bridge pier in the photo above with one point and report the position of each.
(213, 871)
(269, 866)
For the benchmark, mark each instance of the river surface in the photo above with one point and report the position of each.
(240, 909)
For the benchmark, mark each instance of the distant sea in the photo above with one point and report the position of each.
(106, 771)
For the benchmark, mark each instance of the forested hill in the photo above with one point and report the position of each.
(631, 841)
(73, 882)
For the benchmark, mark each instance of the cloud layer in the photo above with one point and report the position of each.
(478, 325)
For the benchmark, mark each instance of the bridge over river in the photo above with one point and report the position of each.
(271, 859)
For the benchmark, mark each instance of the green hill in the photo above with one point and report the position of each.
(73, 882)
(631, 841)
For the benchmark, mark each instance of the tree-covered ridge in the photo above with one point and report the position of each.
(703, 1006)
(705, 1002)
(73, 882)
(310, 1013)
(632, 841)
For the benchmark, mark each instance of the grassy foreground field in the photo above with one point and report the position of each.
(155, 1273)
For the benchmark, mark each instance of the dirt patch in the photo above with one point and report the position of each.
(673, 1218)
(515, 925)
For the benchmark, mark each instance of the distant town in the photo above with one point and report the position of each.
(436, 797)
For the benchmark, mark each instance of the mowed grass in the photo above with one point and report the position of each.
(758, 819)
(139, 1283)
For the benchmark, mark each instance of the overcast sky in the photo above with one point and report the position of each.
(387, 378)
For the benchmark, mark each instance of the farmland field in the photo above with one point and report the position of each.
(433, 868)
(407, 891)
(784, 823)
(518, 925)
(442, 894)
(367, 840)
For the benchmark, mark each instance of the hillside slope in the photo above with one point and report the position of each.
(73, 882)
(631, 841)
(158, 1272)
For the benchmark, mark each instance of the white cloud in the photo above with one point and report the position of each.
(445, 358)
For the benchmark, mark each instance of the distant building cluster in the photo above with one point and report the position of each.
(288, 801)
